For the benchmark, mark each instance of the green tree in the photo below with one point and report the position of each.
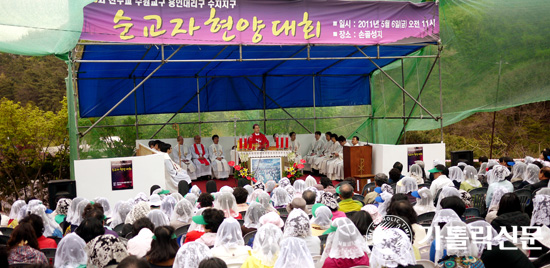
(33, 148)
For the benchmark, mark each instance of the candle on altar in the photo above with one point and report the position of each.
(277, 142)
(240, 143)
(286, 142)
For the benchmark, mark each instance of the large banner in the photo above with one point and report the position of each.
(260, 22)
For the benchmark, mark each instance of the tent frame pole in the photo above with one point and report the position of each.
(130, 93)
(436, 60)
(136, 109)
(397, 84)
(440, 48)
(404, 105)
(264, 86)
(314, 113)
(281, 107)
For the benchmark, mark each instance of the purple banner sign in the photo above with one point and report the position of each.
(260, 22)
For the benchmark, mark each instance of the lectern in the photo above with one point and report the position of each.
(358, 164)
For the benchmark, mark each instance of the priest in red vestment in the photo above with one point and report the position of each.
(258, 138)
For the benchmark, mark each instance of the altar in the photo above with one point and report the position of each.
(266, 165)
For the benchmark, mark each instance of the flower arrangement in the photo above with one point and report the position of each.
(295, 170)
(242, 171)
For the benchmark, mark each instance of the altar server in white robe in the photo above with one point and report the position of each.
(294, 146)
(333, 149)
(333, 164)
(355, 141)
(220, 168)
(315, 149)
(174, 173)
(200, 158)
(324, 151)
(180, 154)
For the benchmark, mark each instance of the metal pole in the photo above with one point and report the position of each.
(495, 112)
(314, 115)
(395, 82)
(404, 108)
(440, 93)
(199, 106)
(264, 90)
(281, 107)
(136, 109)
(72, 126)
(129, 93)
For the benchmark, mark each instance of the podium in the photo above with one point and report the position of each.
(358, 164)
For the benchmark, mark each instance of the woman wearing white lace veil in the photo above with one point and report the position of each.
(61, 209)
(254, 195)
(120, 211)
(226, 202)
(141, 197)
(297, 225)
(483, 233)
(383, 200)
(424, 201)
(104, 202)
(310, 181)
(531, 175)
(294, 253)
(167, 205)
(493, 208)
(446, 192)
(465, 254)
(252, 217)
(138, 211)
(471, 179)
(489, 173)
(391, 248)
(14, 212)
(158, 218)
(406, 185)
(32, 203)
(266, 247)
(226, 189)
(541, 209)
(518, 170)
(291, 191)
(71, 252)
(322, 218)
(264, 199)
(249, 189)
(345, 247)
(177, 196)
(51, 228)
(441, 217)
(456, 175)
(284, 182)
(416, 173)
(182, 214)
(191, 254)
(482, 169)
(270, 185)
(191, 197)
(195, 190)
(280, 198)
(79, 210)
(229, 245)
(499, 174)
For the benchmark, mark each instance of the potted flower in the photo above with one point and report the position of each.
(241, 171)
(294, 171)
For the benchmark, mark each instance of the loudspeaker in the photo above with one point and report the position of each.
(462, 156)
(58, 189)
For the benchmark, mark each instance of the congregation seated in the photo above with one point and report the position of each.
(216, 239)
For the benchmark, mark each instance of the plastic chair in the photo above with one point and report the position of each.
(118, 229)
(424, 252)
(369, 187)
(4, 239)
(182, 230)
(426, 263)
(517, 184)
(50, 254)
(241, 222)
(426, 185)
(437, 196)
(478, 199)
(350, 214)
(472, 212)
(323, 239)
(183, 187)
(358, 197)
(6, 230)
(242, 213)
(524, 196)
(472, 219)
(282, 211)
(248, 236)
(426, 217)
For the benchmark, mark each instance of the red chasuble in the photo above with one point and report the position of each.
(260, 139)
(203, 161)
